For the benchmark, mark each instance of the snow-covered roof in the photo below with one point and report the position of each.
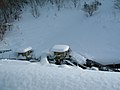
(25, 49)
(60, 48)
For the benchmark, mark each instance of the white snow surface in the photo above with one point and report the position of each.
(21, 75)
(95, 37)
(24, 49)
(60, 48)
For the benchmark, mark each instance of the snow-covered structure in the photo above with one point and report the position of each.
(26, 53)
(5, 53)
(24, 49)
(60, 48)
(62, 54)
(58, 53)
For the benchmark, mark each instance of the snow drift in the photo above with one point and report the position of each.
(19, 75)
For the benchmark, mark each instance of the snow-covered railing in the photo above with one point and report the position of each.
(3, 51)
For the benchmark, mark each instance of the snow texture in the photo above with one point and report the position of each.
(96, 37)
(60, 48)
(19, 75)
(24, 49)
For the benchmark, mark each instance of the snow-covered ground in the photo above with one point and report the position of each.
(19, 75)
(96, 37)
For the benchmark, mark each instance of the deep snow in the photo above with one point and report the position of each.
(95, 37)
(19, 75)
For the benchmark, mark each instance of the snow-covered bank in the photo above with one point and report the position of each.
(18, 75)
(95, 37)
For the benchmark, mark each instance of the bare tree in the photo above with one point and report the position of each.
(11, 10)
(75, 2)
(91, 8)
(117, 4)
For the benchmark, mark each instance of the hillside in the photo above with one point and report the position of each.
(95, 37)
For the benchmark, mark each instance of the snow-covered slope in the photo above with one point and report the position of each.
(95, 37)
(19, 75)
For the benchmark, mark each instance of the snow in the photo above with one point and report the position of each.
(60, 48)
(19, 75)
(95, 37)
(24, 49)
(79, 58)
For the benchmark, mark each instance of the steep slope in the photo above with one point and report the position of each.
(95, 37)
